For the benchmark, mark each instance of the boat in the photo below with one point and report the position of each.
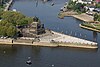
(28, 62)
(52, 4)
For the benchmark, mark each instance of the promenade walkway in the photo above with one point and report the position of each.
(70, 39)
(53, 40)
(84, 17)
(58, 37)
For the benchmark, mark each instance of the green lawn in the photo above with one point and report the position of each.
(94, 26)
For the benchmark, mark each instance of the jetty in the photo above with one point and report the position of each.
(8, 5)
(54, 40)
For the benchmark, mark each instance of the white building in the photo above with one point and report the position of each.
(83, 1)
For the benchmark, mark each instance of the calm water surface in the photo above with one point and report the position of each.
(16, 56)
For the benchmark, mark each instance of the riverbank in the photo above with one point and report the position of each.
(89, 28)
(54, 40)
(47, 44)
(83, 16)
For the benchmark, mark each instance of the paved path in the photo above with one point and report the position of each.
(84, 17)
(70, 39)
(58, 37)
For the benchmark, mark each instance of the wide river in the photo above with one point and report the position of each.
(16, 56)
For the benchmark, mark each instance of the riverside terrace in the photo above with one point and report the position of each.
(52, 39)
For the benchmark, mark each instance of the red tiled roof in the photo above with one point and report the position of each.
(97, 0)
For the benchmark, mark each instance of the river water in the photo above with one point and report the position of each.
(16, 56)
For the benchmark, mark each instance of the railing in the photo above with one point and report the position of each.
(74, 43)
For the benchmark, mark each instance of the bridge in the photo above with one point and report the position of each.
(8, 5)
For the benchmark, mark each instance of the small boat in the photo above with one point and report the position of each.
(28, 62)
(52, 4)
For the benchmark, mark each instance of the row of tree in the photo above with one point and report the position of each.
(98, 5)
(16, 18)
(78, 7)
(10, 21)
(7, 29)
(97, 17)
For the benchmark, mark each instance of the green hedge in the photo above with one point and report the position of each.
(89, 25)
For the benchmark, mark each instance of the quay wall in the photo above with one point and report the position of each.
(47, 44)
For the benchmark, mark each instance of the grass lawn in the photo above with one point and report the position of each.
(92, 25)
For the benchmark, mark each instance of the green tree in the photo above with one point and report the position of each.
(10, 20)
(95, 17)
(3, 30)
(71, 4)
(11, 31)
(98, 5)
(7, 29)
(12, 16)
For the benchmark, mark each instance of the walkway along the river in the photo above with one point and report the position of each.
(54, 40)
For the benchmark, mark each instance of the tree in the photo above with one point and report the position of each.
(12, 16)
(3, 30)
(11, 31)
(98, 5)
(9, 22)
(7, 29)
(95, 17)
(22, 22)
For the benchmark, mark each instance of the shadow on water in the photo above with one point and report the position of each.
(72, 49)
(8, 49)
(36, 50)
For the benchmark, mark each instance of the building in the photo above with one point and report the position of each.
(97, 1)
(83, 1)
